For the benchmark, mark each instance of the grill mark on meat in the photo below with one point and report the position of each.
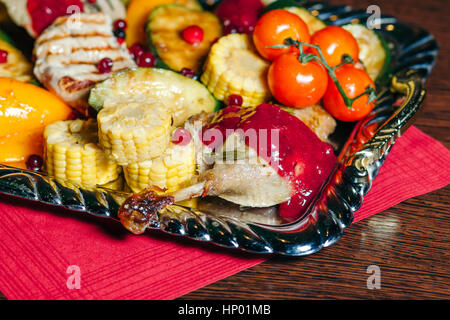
(75, 50)
(71, 85)
(90, 63)
(75, 35)
(93, 18)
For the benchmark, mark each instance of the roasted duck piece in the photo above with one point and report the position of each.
(262, 157)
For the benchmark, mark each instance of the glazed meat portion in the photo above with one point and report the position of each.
(68, 54)
(317, 119)
(251, 168)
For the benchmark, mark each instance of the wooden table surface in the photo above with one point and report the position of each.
(409, 242)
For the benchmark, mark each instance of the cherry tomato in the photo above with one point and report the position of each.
(353, 81)
(334, 42)
(274, 27)
(296, 84)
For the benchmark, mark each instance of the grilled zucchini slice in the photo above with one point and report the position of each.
(314, 24)
(17, 66)
(183, 96)
(164, 29)
(373, 50)
(138, 12)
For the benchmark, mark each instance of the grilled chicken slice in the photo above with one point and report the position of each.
(67, 56)
(47, 12)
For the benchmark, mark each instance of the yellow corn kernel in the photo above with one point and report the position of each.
(171, 171)
(72, 153)
(234, 67)
(134, 133)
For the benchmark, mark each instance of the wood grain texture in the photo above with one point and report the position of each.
(409, 242)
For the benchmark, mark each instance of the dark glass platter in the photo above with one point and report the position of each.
(361, 154)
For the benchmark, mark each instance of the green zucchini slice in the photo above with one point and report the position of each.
(17, 65)
(184, 96)
(164, 30)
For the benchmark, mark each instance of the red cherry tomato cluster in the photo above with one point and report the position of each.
(301, 76)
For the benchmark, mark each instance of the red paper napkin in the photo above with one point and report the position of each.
(39, 245)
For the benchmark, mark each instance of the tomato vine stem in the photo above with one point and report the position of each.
(346, 59)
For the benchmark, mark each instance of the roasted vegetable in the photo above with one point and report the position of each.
(314, 24)
(25, 110)
(117, 185)
(182, 96)
(373, 51)
(16, 66)
(234, 67)
(137, 15)
(72, 153)
(165, 31)
(134, 132)
(171, 171)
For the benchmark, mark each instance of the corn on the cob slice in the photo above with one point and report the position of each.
(134, 132)
(72, 153)
(117, 185)
(191, 203)
(171, 171)
(234, 67)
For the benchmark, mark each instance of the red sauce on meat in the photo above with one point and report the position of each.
(44, 12)
(299, 156)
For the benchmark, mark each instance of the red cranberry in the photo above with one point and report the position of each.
(119, 33)
(193, 34)
(188, 72)
(146, 60)
(120, 40)
(105, 65)
(35, 163)
(230, 29)
(136, 51)
(235, 100)
(120, 24)
(3, 56)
